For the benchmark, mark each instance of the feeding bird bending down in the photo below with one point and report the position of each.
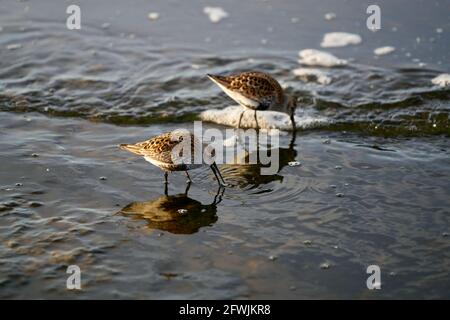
(257, 91)
(175, 151)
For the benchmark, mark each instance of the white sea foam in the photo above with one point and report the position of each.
(13, 46)
(442, 80)
(383, 50)
(339, 39)
(316, 75)
(153, 15)
(266, 119)
(215, 14)
(312, 57)
(330, 16)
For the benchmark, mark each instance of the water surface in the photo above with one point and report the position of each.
(372, 188)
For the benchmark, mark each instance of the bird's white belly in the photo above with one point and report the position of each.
(157, 163)
(241, 99)
(170, 166)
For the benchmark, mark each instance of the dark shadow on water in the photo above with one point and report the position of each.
(176, 214)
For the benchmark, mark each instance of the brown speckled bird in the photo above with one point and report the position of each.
(256, 91)
(175, 151)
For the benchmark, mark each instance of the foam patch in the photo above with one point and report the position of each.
(315, 75)
(215, 14)
(383, 50)
(312, 57)
(340, 39)
(266, 119)
(442, 80)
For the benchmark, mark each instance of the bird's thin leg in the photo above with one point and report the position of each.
(294, 127)
(219, 195)
(189, 178)
(219, 177)
(294, 132)
(256, 119)
(240, 118)
(166, 191)
(188, 185)
(257, 133)
(165, 177)
(292, 142)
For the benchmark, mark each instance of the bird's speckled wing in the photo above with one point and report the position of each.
(158, 148)
(257, 86)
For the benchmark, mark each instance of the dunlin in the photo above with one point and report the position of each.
(175, 151)
(256, 91)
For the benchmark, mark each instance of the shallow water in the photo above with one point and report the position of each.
(68, 98)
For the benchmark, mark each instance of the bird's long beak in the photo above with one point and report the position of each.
(219, 177)
(220, 80)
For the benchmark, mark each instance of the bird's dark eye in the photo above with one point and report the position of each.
(180, 139)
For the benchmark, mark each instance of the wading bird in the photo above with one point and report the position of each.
(257, 91)
(175, 151)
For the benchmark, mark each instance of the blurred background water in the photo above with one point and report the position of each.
(372, 188)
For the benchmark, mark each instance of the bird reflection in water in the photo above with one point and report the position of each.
(176, 214)
(246, 175)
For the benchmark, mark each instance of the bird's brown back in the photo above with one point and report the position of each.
(256, 85)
